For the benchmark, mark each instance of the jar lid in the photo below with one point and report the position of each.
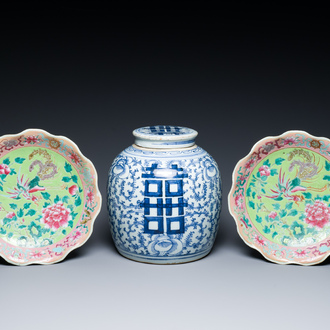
(161, 136)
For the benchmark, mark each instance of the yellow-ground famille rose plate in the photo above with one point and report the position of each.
(49, 197)
(280, 198)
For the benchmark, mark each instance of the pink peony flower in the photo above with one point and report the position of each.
(272, 215)
(56, 216)
(301, 253)
(73, 189)
(264, 170)
(31, 139)
(259, 240)
(90, 196)
(241, 179)
(75, 158)
(239, 201)
(249, 163)
(76, 235)
(318, 214)
(4, 169)
(290, 140)
(10, 215)
(36, 254)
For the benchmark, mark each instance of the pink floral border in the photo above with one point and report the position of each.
(92, 198)
(281, 254)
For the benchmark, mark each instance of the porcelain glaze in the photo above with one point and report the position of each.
(164, 202)
(49, 197)
(280, 198)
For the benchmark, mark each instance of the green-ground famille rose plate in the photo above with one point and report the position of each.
(49, 197)
(280, 198)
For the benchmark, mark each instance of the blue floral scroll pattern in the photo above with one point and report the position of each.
(201, 198)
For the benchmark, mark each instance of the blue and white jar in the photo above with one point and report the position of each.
(164, 197)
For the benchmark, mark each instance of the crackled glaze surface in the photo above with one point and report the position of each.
(280, 198)
(48, 197)
(164, 205)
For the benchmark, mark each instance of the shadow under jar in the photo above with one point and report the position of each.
(164, 197)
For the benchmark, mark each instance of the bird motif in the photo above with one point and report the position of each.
(25, 189)
(286, 188)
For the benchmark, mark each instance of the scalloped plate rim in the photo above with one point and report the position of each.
(98, 194)
(232, 190)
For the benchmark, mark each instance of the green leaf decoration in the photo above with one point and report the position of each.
(273, 172)
(3, 177)
(78, 202)
(57, 199)
(254, 195)
(74, 178)
(259, 206)
(66, 179)
(279, 198)
(38, 219)
(6, 161)
(12, 172)
(327, 166)
(19, 160)
(13, 206)
(248, 192)
(307, 195)
(266, 230)
(45, 195)
(297, 229)
(326, 177)
(1, 188)
(293, 213)
(68, 167)
(264, 178)
(20, 213)
(34, 182)
(326, 198)
(65, 199)
(46, 204)
(10, 235)
(73, 215)
(246, 221)
(7, 220)
(31, 213)
(21, 226)
(71, 207)
(285, 226)
(258, 219)
(274, 234)
(283, 213)
(288, 206)
(70, 223)
(64, 232)
(267, 163)
(27, 206)
(276, 206)
(278, 161)
(295, 182)
(311, 230)
(2, 231)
